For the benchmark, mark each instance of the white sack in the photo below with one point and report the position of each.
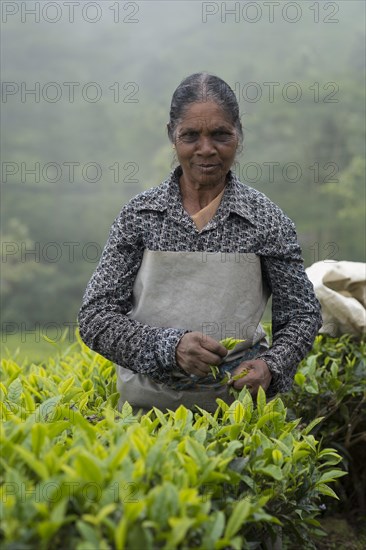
(341, 290)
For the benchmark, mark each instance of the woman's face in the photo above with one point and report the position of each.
(206, 142)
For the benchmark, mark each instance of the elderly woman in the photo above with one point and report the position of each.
(194, 260)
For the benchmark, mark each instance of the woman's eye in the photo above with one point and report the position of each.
(219, 135)
(188, 136)
(222, 135)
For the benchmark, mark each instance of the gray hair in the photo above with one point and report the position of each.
(198, 88)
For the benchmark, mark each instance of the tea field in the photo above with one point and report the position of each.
(77, 473)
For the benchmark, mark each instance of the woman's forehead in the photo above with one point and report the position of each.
(205, 114)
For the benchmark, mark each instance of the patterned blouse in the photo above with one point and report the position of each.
(246, 221)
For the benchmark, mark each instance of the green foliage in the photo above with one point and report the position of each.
(21, 272)
(331, 383)
(76, 473)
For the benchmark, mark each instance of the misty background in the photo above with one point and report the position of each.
(85, 101)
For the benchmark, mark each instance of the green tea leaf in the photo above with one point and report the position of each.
(269, 417)
(326, 490)
(34, 464)
(196, 451)
(300, 379)
(237, 518)
(180, 526)
(66, 385)
(38, 437)
(88, 468)
(14, 391)
(261, 400)
(230, 343)
(312, 425)
(272, 471)
(237, 412)
(331, 476)
(88, 533)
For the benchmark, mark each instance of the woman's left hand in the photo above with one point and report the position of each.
(258, 375)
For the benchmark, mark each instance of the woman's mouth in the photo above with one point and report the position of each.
(207, 167)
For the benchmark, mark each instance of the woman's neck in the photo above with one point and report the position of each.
(197, 196)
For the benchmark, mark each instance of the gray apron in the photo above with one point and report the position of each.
(218, 294)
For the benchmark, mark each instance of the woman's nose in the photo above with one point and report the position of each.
(205, 146)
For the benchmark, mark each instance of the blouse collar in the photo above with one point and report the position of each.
(237, 198)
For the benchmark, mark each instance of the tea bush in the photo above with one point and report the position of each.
(331, 383)
(76, 473)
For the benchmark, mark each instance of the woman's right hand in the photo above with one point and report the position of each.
(196, 352)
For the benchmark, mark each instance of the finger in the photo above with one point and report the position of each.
(202, 367)
(248, 379)
(249, 365)
(239, 384)
(215, 347)
(202, 357)
(205, 366)
(208, 358)
(243, 369)
(199, 371)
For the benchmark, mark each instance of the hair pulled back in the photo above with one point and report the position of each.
(199, 88)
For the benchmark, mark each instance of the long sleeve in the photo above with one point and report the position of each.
(103, 322)
(246, 221)
(296, 316)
